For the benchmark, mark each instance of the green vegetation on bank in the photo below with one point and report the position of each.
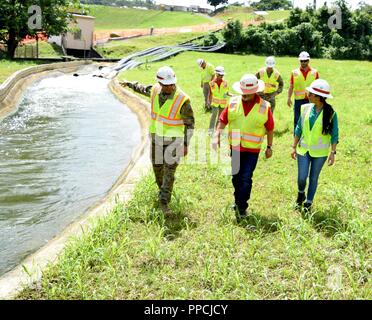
(111, 18)
(8, 67)
(119, 49)
(307, 30)
(201, 253)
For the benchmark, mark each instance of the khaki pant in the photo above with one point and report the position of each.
(216, 112)
(206, 90)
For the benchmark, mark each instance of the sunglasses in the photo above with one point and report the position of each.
(303, 61)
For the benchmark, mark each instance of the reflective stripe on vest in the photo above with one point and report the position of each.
(236, 135)
(300, 84)
(271, 83)
(319, 146)
(248, 131)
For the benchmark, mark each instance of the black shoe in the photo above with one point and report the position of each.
(239, 213)
(307, 207)
(300, 199)
(241, 216)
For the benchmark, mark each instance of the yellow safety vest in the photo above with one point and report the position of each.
(219, 94)
(207, 73)
(300, 84)
(271, 83)
(166, 121)
(313, 141)
(248, 131)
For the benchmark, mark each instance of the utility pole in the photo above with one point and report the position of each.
(37, 46)
(314, 4)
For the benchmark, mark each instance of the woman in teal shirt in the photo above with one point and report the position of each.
(312, 155)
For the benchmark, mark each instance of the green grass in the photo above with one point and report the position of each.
(119, 49)
(246, 14)
(110, 18)
(46, 50)
(8, 67)
(277, 15)
(201, 253)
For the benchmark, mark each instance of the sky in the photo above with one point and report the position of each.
(297, 3)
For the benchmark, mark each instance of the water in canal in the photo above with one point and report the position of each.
(59, 154)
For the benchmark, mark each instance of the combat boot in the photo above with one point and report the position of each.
(166, 210)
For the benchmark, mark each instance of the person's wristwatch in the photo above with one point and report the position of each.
(269, 147)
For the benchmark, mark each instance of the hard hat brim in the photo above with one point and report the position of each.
(258, 88)
(325, 95)
(167, 82)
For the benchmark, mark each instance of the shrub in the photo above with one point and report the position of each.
(232, 34)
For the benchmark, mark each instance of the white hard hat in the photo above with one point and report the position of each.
(270, 62)
(249, 84)
(200, 62)
(220, 70)
(166, 76)
(304, 56)
(320, 87)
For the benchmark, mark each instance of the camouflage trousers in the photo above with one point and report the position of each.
(165, 157)
(270, 97)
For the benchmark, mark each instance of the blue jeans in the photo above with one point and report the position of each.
(315, 165)
(243, 164)
(297, 111)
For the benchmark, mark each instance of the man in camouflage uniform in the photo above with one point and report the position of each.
(273, 82)
(167, 150)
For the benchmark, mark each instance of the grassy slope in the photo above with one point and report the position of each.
(8, 67)
(109, 18)
(46, 50)
(118, 49)
(202, 253)
(246, 14)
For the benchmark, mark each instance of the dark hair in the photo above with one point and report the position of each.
(327, 116)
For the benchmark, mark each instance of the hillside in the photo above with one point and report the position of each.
(244, 14)
(110, 18)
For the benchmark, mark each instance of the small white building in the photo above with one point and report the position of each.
(82, 36)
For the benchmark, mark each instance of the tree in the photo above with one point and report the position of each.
(16, 22)
(215, 3)
(272, 4)
(232, 33)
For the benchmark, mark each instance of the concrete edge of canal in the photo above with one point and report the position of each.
(12, 89)
(15, 280)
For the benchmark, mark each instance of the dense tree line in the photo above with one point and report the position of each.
(307, 30)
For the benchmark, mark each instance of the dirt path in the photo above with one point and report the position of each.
(105, 34)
